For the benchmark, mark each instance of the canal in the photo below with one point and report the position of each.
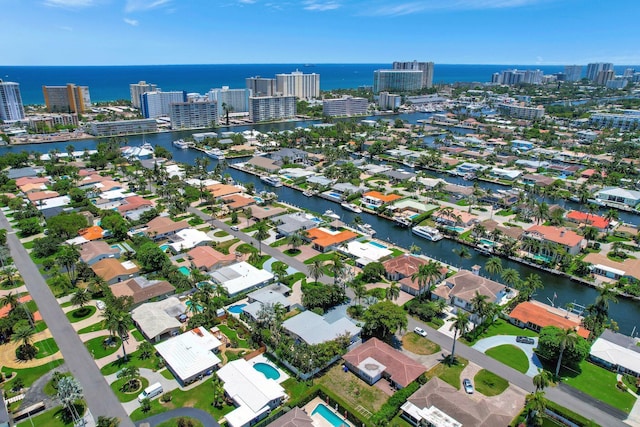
(625, 311)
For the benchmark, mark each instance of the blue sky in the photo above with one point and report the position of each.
(127, 32)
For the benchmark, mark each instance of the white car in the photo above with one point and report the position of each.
(420, 331)
(100, 305)
(235, 228)
(468, 386)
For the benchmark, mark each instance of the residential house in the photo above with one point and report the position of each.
(187, 239)
(163, 227)
(456, 217)
(374, 360)
(263, 212)
(92, 252)
(141, 289)
(346, 188)
(263, 163)
(37, 197)
(535, 315)
(135, 204)
(289, 224)
(537, 180)
(324, 240)
(220, 190)
(311, 328)
(402, 267)
(95, 232)
(506, 174)
(238, 201)
(375, 199)
(159, 320)
(617, 352)
(205, 258)
(241, 277)
(399, 175)
(621, 196)
(296, 417)
(272, 295)
(596, 221)
(113, 271)
(290, 156)
(567, 239)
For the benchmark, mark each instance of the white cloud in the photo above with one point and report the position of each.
(138, 5)
(65, 28)
(69, 4)
(434, 5)
(320, 6)
(247, 1)
(132, 22)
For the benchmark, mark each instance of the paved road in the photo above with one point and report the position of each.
(97, 393)
(585, 405)
(206, 419)
(534, 362)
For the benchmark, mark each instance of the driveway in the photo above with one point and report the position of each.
(534, 363)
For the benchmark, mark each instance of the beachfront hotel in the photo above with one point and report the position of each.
(158, 104)
(397, 80)
(11, 108)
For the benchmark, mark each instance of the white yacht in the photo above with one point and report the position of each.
(331, 214)
(402, 221)
(429, 233)
(351, 207)
(272, 180)
(181, 144)
(215, 153)
(308, 193)
(366, 229)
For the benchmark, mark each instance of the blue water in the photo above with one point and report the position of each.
(184, 270)
(268, 371)
(328, 415)
(236, 309)
(335, 195)
(198, 306)
(377, 245)
(164, 247)
(108, 83)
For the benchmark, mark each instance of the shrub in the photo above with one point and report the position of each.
(166, 397)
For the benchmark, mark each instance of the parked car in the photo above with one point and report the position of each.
(525, 340)
(100, 305)
(468, 387)
(420, 331)
(235, 228)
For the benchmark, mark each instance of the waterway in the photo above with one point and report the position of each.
(625, 311)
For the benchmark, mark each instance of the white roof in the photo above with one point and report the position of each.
(53, 202)
(191, 353)
(616, 354)
(609, 269)
(78, 241)
(117, 194)
(156, 318)
(313, 329)
(238, 277)
(188, 239)
(621, 192)
(366, 250)
(249, 389)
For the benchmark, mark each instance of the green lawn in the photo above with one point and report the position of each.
(48, 388)
(419, 345)
(599, 383)
(510, 355)
(116, 386)
(167, 374)
(92, 328)
(173, 422)
(322, 257)
(449, 373)
(81, 313)
(132, 360)
(97, 348)
(502, 327)
(46, 347)
(221, 233)
(246, 248)
(294, 388)
(137, 335)
(489, 384)
(233, 335)
(51, 418)
(31, 374)
(223, 247)
(194, 398)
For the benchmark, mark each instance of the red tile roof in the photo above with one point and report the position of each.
(324, 239)
(556, 234)
(595, 220)
(538, 314)
(134, 202)
(386, 198)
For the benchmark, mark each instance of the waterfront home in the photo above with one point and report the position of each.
(296, 417)
(260, 213)
(532, 164)
(134, 204)
(613, 270)
(365, 253)
(159, 320)
(460, 289)
(238, 201)
(290, 156)
(374, 360)
(468, 168)
(596, 221)
(346, 188)
(220, 190)
(16, 173)
(535, 315)
(113, 271)
(456, 218)
(440, 404)
(458, 191)
(253, 394)
(520, 145)
(505, 174)
(617, 352)
(320, 180)
(537, 180)
(289, 224)
(399, 175)
(187, 239)
(312, 328)
(191, 355)
(263, 163)
(402, 267)
(501, 198)
(141, 289)
(619, 196)
(92, 252)
(205, 258)
(567, 239)
(375, 199)
(273, 295)
(163, 227)
(241, 277)
(324, 240)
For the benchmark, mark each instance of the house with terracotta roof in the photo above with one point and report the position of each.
(535, 315)
(142, 290)
(568, 239)
(32, 188)
(221, 190)
(459, 289)
(376, 199)
(238, 201)
(162, 227)
(31, 180)
(323, 240)
(92, 252)
(113, 271)
(205, 258)
(577, 217)
(402, 267)
(457, 217)
(38, 196)
(294, 418)
(375, 359)
(133, 203)
(95, 232)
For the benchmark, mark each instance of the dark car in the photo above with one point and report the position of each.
(525, 340)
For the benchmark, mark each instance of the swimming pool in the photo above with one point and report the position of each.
(377, 245)
(268, 371)
(335, 195)
(454, 228)
(487, 242)
(236, 309)
(198, 306)
(184, 270)
(164, 248)
(258, 199)
(330, 416)
(414, 216)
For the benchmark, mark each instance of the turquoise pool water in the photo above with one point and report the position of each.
(198, 306)
(236, 309)
(327, 414)
(377, 245)
(414, 216)
(267, 370)
(542, 258)
(453, 228)
(486, 242)
(164, 247)
(184, 270)
(258, 199)
(335, 195)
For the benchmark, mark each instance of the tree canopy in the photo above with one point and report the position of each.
(383, 319)
(550, 344)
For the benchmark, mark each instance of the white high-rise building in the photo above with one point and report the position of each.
(234, 100)
(193, 114)
(345, 107)
(389, 101)
(397, 80)
(302, 86)
(11, 108)
(138, 89)
(425, 67)
(267, 108)
(158, 104)
(260, 86)
(573, 73)
(594, 69)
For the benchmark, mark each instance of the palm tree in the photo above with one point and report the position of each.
(316, 268)
(81, 298)
(118, 323)
(541, 379)
(541, 212)
(279, 270)
(536, 404)
(131, 374)
(104, 421)
(532, 283)
(460, 325)
(262, 232)
(463, 252)
(337, 267)
(510, 277)
(425, 274)
(480, 305)
(10, 299)
(393, 291)
(568, 338)
(9, 271)
(590, 233)
(295, 241)
(415, 249)
(601, 304)
(493, 265)
(359, 289)
(68, 257)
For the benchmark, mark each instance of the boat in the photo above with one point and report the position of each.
(402, 221)
(484, 249)
(428, 233)
(272, 180)
(308, 193)
(331, 214)
(215, 153)
(351, 207)
(181, 144)
(366, 229)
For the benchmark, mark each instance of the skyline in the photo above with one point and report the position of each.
(156, 32)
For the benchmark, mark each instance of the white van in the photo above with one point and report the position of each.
(150, 392)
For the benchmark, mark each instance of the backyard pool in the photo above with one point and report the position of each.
(267, 370)
(330, 416)
(377, 245)
(184, 270)
(236, 309)
(258, 199)
(164, 248)
(336, 196)
(487, 242)
(198, 306)
(454, 228)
